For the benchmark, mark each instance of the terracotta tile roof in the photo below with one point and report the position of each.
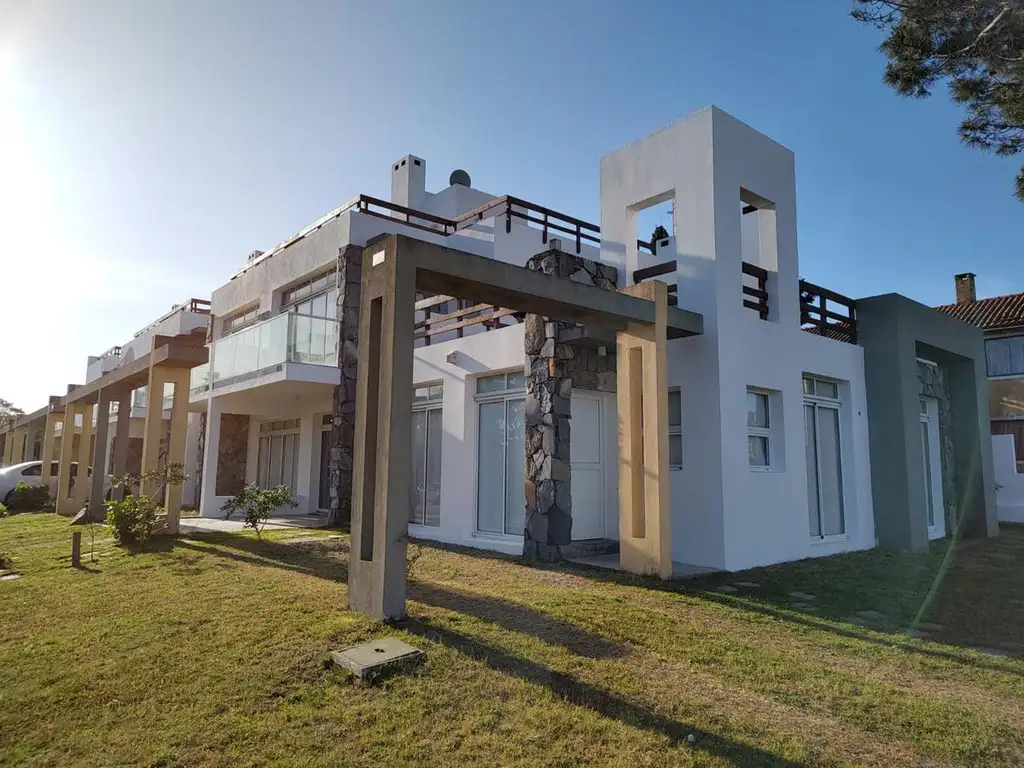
(990, 314)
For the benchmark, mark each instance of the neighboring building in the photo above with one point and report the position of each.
(1002, 320)
(768, 424)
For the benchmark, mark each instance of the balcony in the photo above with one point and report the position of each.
(266, 348)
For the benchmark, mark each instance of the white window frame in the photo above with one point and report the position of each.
(238, 321)
(765, 432)
(326, 423)
(496, 396)
(828, 402)
(432, 400)
(268, 430)
(288, 299)
(676, 431)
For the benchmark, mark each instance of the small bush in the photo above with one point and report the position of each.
(6, 561)
(3, 510)
(133, 520)
(26, 498)
(257, 503)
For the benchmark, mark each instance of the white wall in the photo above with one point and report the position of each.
(724, 514)
(1010, 493)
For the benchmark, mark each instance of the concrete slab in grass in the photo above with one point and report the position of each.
(803, 596)
(370, 660)
(872, 615)
(746, 584)
(9, 575)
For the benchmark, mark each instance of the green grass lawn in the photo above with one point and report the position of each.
(214, 651)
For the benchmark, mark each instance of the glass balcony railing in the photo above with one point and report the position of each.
(200, 379)
(287, 338)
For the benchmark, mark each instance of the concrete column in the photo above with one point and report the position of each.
(154, 426)
(20, 444)
(974, 482)
(645, 540)
(176, 447)
(67, 440)
(84, 459)
(208, 506)
(380, 480)
(48, 440)
(122, 439)
(547, 440)
(8, 446)
(99, 461)
(339, 463)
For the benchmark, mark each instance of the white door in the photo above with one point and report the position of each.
(586, 446)
(932, 455)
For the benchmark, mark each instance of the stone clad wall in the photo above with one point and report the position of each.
(934, 384)
(343, 424)
(232, 453)
(553, 368)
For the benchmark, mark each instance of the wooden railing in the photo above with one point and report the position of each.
(817, 317)
(657, 270)
(758, 293)
(382, 209)
(467, 313)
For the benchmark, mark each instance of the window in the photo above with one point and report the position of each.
(36, 470)
(317, 296)
(675, 429)
(239, 321)
(824, 458)
(425, 485)
(277, 461)
(501, 465)
(759, 447)
(1005, 357)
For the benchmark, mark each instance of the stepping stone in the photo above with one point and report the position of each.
(727, 589)
(918, 634)
(991, 651)
(368, 660)
(856, 620)
(929, 626)
(805, 607)
(746, 584)
(10, 576)
(802, 596)
(872, 615)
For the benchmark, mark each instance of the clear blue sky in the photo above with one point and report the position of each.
(146, 147)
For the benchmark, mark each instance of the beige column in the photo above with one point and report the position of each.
(48, 439)
(20, 441)
(154, 427)
(180, 377)
(122, 439)
(8, 447)
(99, 460)
(67, 441)
(644, 502)
(84, 459)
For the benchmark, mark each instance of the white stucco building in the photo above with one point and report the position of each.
(768, 423)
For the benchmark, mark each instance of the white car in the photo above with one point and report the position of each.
(29, 472)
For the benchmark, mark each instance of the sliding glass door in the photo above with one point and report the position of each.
(824, 459)
(501, 455)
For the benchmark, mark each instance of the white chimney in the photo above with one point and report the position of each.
(409, 182)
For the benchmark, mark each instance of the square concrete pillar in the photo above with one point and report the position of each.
(84, 459)
(208, 506)
(179, 377)
(62, 504)
(154, 426)
(380, 488)
(122, 439)
(8, 446)
(99, 461)
(48, 439)
(642, 399)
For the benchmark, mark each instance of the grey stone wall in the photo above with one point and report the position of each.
(231, 454)
(553, 368)
(198, 469)
(934, 384)
(350, 269)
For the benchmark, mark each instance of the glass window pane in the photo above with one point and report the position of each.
(436, 392)
(263, 463)
(808, 386)
(417, 477)
(926, 450)
(757, 410)
(923, 406)
(811, 451)
(421, 394)
(490, 384)
(432, 502)
(827, 389)
(491, 468)
(757, 447)
(830, 466)
(515, 468)
(675, 416)
(276, 460)
(516, 380)
(324, 495)
(675, 450)
(319, 306)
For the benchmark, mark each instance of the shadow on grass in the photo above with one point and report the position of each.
(602, 702)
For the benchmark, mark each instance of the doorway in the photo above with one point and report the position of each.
(931, 452)
(587, 449)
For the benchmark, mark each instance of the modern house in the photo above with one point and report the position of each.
(1002, 320)
(799, 422)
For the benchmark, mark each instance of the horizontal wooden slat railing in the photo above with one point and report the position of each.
(816, 317)
(467, 314)
(657, 270)
(759, 292)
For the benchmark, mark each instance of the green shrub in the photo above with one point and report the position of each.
(133, 520)
(6, 561)
(257, 503)
(26, 497)
(3, 510)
